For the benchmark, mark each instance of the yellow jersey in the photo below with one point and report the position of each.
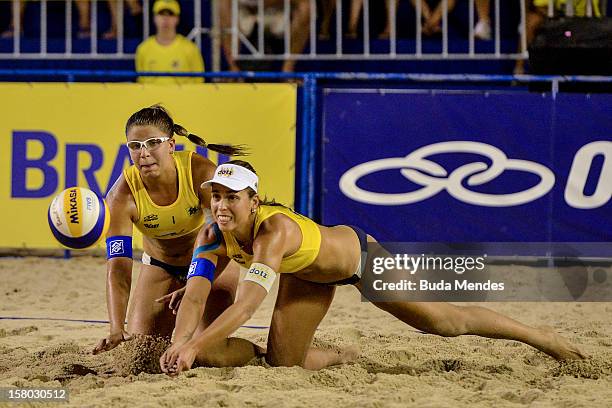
(579, 6)
(181, 55)
(181, 217)
(303, 257)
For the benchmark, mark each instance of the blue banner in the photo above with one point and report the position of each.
(468, 166)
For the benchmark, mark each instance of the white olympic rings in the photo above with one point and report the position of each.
(434, 178)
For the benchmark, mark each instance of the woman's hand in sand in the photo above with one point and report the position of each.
(173, 299)
(112, 341)
(177, 358)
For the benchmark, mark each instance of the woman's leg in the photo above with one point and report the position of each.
(9, 32)
(290, 337)
(534, 19)
(84, 18)
(448, 320)
(222, 294)
(154, 282)
(300, 31)
(300, 307)
(355, 13)
(135, 7)
(389, 5)
(146, 316)
(432, 25)
(234, 351)
(328, 7)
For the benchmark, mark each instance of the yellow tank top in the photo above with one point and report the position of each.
(579, 6)
(170, 221)
(304, 256)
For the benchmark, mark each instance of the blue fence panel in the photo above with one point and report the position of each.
(468, 166)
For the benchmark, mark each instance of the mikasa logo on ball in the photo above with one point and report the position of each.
(74, 211)
(78, 218)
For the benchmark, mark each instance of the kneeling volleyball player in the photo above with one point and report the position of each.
(160, 195)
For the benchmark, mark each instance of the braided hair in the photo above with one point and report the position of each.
(159, 117)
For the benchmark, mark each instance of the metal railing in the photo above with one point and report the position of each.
(252, 47)
(93, 47)
(245, 47)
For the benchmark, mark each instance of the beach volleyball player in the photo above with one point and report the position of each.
(272, 240)
(159, 194)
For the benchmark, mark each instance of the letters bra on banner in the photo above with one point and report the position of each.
(62, 135)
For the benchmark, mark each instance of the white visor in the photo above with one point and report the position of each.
(233, 177)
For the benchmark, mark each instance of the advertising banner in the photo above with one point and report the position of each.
(63, 135)
(413, 166)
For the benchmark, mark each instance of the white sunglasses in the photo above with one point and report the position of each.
(149, 144)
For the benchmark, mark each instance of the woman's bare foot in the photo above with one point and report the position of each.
(317, 359)
(558, 347)
(351, 34)
(135, 7)
(84, 32)
(519, 68)
(109, 35)
(348, 354)
(430, 28)
(385, 35)
(9, 33)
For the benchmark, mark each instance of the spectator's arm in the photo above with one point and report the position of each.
(225, 16)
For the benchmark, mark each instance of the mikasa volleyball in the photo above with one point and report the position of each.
(78, 218)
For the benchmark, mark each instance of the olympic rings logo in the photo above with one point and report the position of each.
(434, 178)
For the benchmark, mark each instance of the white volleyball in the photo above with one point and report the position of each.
(78, 218)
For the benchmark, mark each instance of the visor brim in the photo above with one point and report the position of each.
(231, 184)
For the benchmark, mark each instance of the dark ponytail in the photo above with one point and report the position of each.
(251, 192)
(228, 150)
(159, 117)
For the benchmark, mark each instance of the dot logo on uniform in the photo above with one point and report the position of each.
(258, 272)
(225, 172)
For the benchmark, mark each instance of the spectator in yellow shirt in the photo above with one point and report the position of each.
(168, 51)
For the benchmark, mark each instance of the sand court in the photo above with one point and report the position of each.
(397, 366)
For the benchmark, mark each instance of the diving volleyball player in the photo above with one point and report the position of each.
(272, 240)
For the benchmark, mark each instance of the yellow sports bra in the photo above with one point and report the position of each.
(304, 256)
(170, 221)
